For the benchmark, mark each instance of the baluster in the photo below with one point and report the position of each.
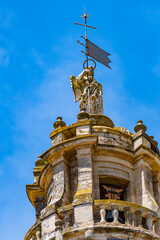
(133, 220)
(127, 215)
(38, 233)
(67, 219)
(149, 222)
(58, 229)
(115, 214)
(139, 218)
(103, 215)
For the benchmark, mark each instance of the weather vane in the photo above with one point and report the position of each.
(85, 87)
(91, 49)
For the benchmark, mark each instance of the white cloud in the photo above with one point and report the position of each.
(54, 97)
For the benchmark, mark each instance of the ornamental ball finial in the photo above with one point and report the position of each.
(39, 162)
(83, 114)
(140, 126)
(154, 141)
(59, 123)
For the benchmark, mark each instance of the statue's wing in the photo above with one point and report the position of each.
(76, 89)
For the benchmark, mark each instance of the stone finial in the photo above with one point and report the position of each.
(83, 114)
(140, 126)
(59, 123)
(39, 162)
(155, 142)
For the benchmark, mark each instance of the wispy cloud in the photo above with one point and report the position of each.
(38, 57)
(53, 97)
(33, 117)
(6, 17)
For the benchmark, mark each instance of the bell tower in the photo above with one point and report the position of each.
(97, 180)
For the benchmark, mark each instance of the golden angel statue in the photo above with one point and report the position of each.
(85, 86)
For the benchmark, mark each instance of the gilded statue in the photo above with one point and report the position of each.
(85, 86)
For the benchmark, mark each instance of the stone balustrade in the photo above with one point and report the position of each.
(126, 213)
(122, 214)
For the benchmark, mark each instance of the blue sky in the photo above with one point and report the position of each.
(38, 53)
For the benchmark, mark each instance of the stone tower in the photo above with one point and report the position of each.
(97, 181)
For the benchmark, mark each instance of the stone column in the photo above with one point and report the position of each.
(83, 195)
(143, 185)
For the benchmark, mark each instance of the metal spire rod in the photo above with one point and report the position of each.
(85, 16)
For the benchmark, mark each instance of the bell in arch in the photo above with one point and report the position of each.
(109, 217)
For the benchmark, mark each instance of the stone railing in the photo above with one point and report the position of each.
(121, 213)
(127, 213)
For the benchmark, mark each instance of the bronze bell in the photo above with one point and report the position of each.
(109, 217)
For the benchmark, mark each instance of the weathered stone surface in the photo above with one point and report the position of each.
(48, 227)
(83, 215)
(83, 130)
(40, 204)
(89, 235)
(83, 157)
